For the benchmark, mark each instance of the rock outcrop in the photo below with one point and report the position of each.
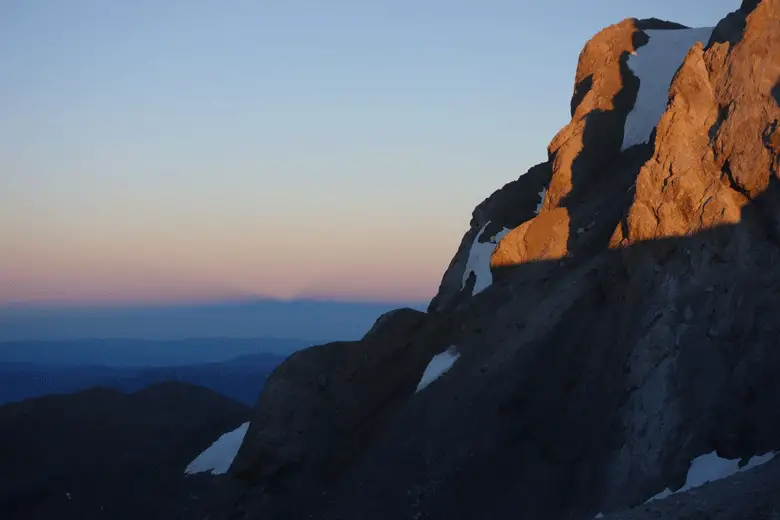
(613, 311)
(322, 406)
(507, 208)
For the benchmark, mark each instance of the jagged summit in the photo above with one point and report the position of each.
(608, 320)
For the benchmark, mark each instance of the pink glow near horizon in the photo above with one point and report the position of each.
(78, 299)
(56, 279)
(126, 291)
(338, 155)
(98, 263)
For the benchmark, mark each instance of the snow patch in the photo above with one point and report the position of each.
(218, 457)
(479, 260)
(710, 467)
(541, 200)
(655, 64)
(439, 365)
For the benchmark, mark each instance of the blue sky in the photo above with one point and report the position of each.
(186, 150)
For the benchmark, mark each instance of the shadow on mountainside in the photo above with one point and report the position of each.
(667, 348)
(606, 373)
(588, 385)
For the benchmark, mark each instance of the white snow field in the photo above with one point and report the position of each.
(655, 64)
(218, 457)
(439, 365)
(711, 467)
(479, 260)
(541, 200)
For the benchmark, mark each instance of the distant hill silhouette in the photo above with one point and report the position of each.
(241, 378)
(118, 352)
(103, 454)
(311, 320)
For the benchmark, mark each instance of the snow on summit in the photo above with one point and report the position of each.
(219, 456)
(479, 260)
(541, 200)
(655, 64)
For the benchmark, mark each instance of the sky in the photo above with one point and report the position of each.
(198, 150)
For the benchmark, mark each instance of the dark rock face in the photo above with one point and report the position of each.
(323, 406)
(103, 454)
(630, 326)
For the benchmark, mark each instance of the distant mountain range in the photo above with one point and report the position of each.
(142, 352)
(241, 378)
(312, 320)
(235, 368)
(105, 428)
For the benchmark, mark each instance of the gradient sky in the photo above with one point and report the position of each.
(185, 150)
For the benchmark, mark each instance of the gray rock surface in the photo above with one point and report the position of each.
(630, 326)
(323, 406)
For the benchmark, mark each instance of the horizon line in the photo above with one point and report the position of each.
(126, 304)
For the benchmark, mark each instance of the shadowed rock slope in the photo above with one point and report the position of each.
(103, 454)
(614, 311)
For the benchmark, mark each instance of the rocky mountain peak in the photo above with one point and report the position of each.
(608, 319)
